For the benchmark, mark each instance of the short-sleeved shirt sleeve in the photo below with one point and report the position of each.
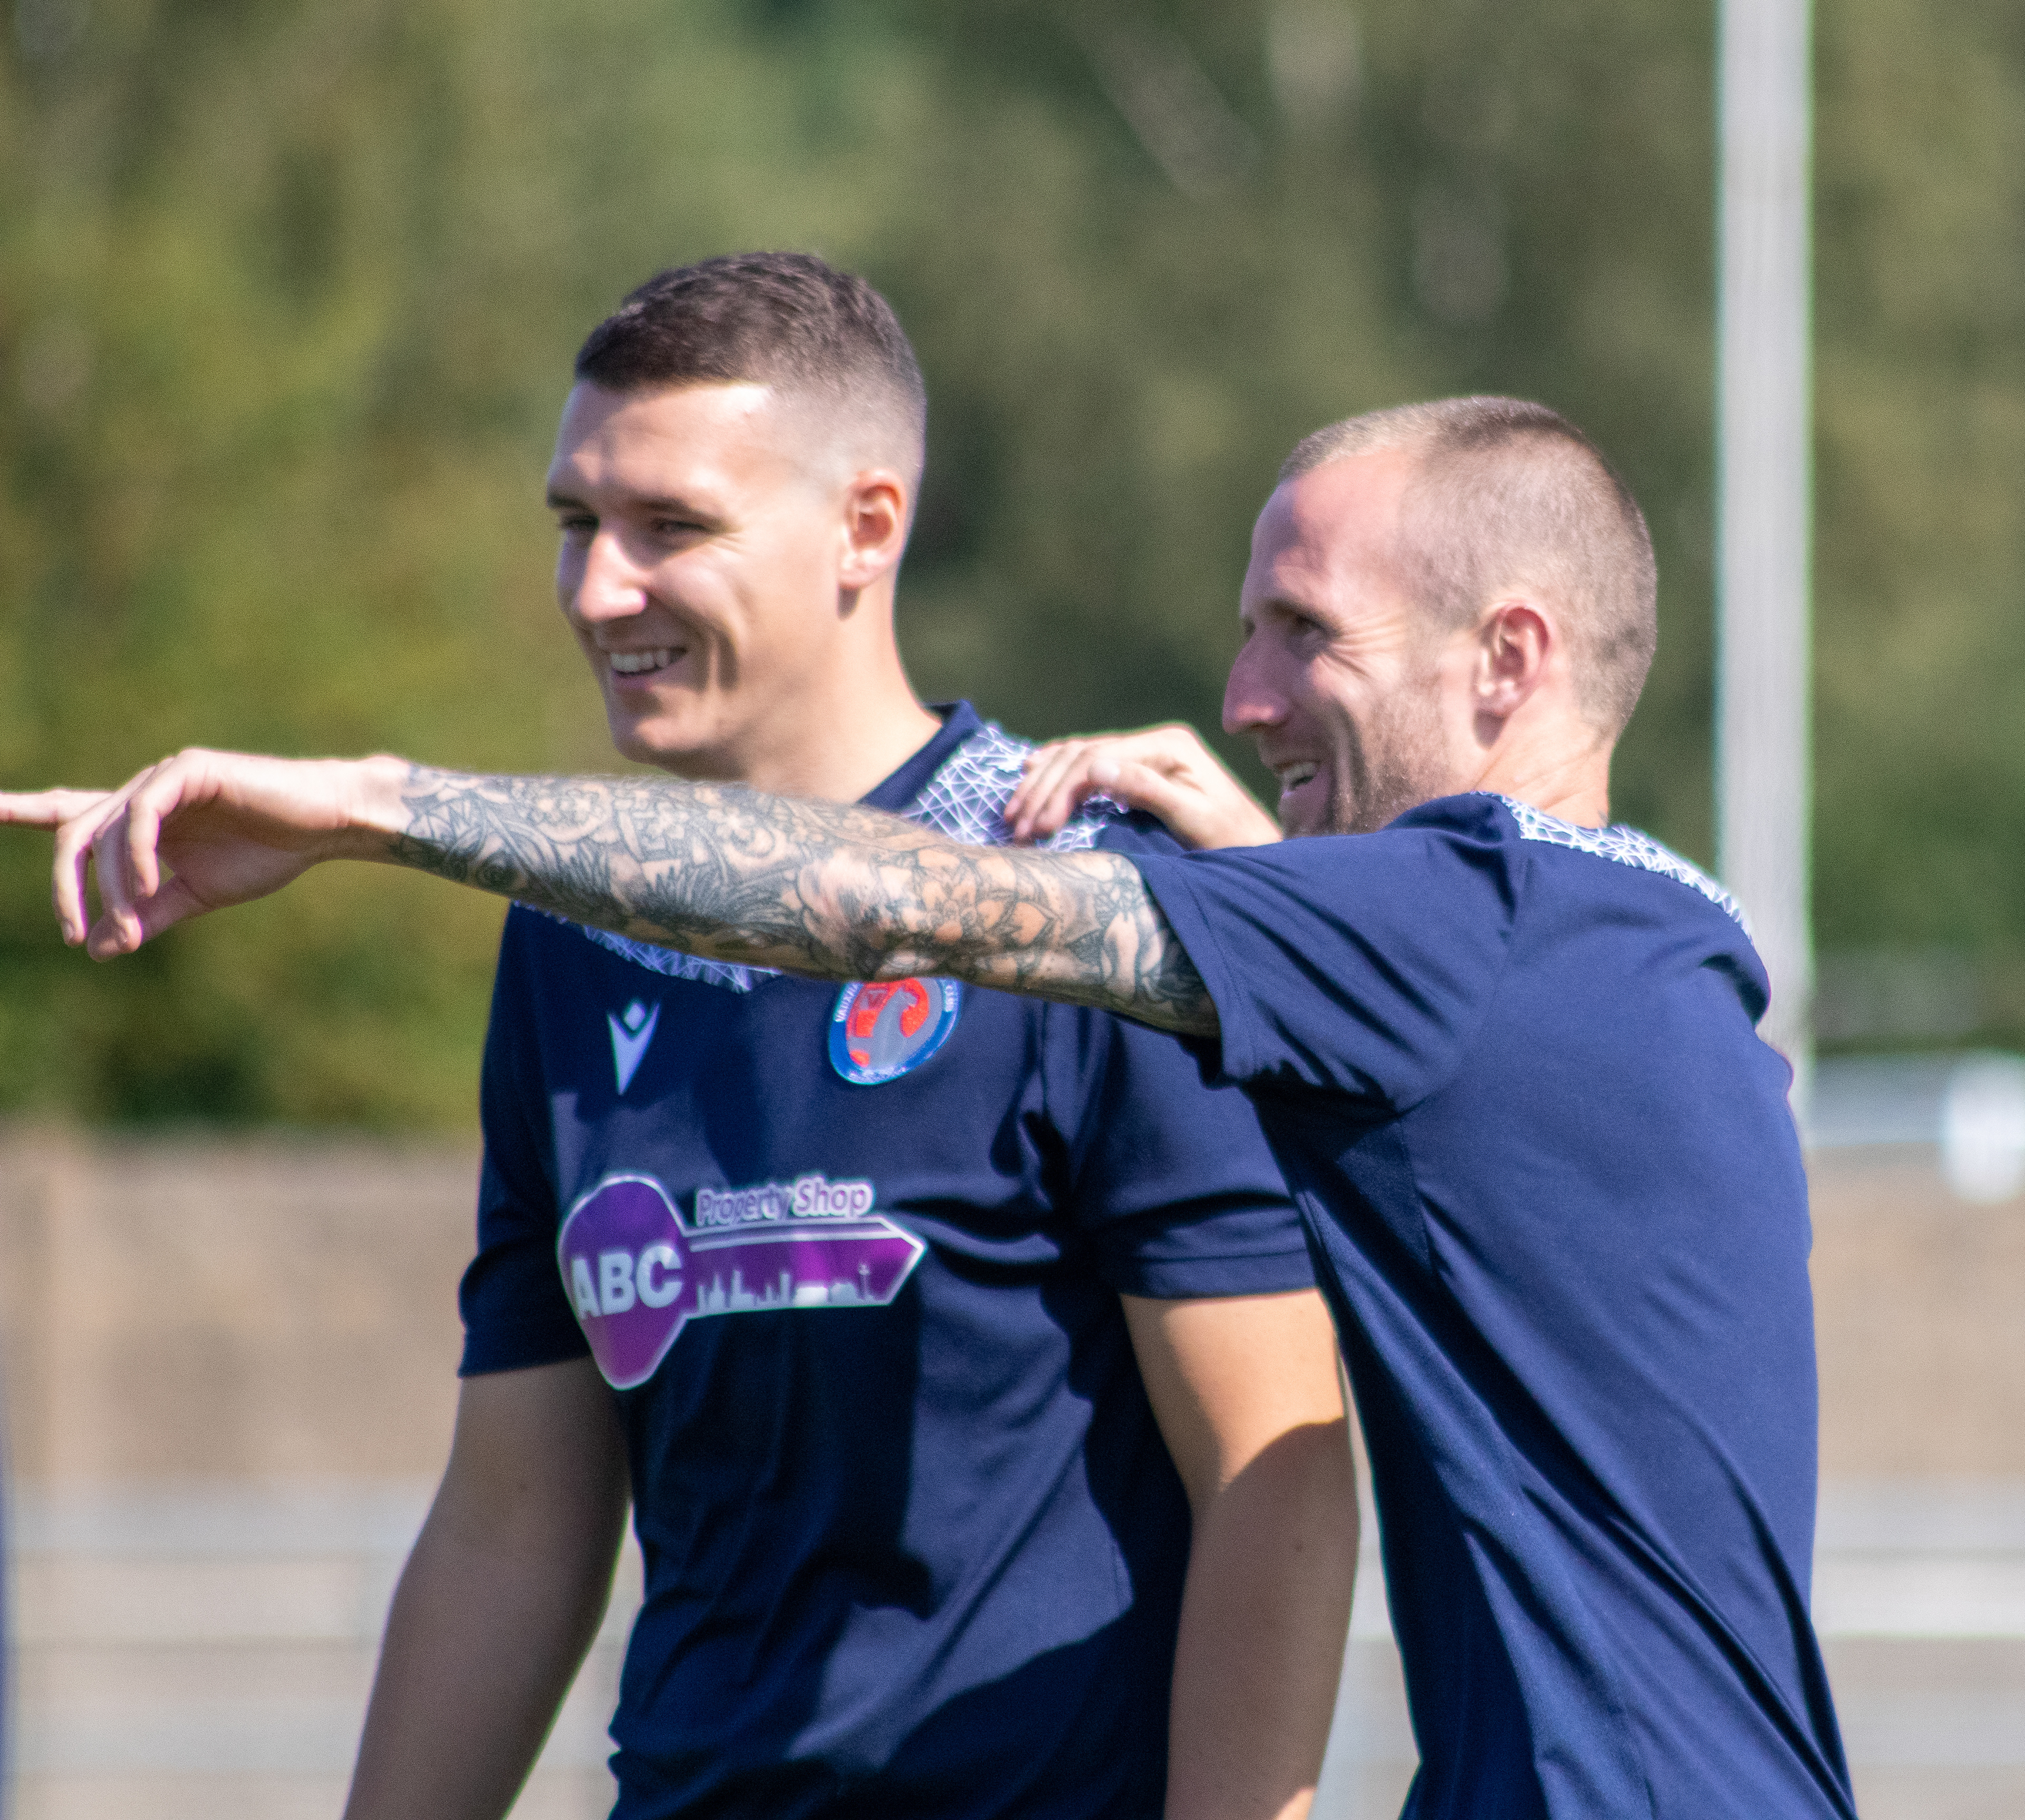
(515, 1312)
(1172, 1177)
(1361, 963)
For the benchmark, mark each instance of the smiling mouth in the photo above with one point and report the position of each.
(640, 663)
(1292, 776)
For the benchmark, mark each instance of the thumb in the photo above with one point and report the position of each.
(146, 919)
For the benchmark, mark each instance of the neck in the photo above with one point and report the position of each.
(1574, 785)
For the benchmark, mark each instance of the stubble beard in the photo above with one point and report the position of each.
(1393, 762)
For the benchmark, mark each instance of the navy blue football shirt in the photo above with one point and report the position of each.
(1510, 1068)
(850, 1258)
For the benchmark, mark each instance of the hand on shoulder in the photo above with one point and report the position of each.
(1166, 770)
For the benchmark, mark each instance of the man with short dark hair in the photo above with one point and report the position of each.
(853, 1293)
(1505, 1052)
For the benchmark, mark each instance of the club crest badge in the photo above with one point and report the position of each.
(637, 1273)
(880, 1031)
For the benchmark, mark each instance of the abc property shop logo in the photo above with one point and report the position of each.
(636, 1273)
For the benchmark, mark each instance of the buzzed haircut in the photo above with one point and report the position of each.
(1510, 493)
(790, 321)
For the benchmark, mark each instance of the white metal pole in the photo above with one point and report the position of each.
(1764, 506)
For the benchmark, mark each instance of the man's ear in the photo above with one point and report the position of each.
(874, 526)
(1514, 640)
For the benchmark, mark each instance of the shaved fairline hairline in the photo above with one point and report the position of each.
(824, 344)
(1509, 495)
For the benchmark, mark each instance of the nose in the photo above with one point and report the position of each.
(1252, 701)
(598, 582)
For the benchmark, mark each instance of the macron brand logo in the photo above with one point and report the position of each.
(632, 1030)
(637, 1273)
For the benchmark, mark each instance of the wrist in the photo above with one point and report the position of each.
(373, 809)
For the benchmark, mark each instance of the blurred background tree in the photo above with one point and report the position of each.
(289, 293)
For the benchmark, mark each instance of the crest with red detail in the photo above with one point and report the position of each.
(880, 1031)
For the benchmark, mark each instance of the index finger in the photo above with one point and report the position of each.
(1052, 793)
(47, 808)
(1039, 770)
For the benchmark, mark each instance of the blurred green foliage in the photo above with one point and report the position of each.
(288, 293)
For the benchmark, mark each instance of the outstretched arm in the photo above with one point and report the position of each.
(820, 888)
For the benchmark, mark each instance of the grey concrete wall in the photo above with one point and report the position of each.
(230, 1379)
(265, 1310)
(1920, 1321)
(277, 1309)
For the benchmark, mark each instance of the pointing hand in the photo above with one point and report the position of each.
(196, 833)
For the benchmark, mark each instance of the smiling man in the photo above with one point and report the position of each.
(959, 1354)
(1505, 1052)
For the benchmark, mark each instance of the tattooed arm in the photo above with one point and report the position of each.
(822, 888)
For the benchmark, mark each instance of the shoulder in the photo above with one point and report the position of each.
(533, 937)
(1135, 834)
(1475, 833)
(966, 797)
(1359, 963)
(1494, 835)
(1617, 846)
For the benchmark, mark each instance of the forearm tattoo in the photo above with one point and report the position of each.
(820, 888)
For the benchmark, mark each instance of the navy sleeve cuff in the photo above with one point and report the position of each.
(514, 1345)
(1192, 1279)
(1228, 1056)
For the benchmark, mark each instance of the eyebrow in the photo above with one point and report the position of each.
(673, 508)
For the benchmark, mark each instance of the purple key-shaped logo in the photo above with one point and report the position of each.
(636, 1274)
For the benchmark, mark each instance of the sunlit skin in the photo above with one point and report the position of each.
(1362, 708)
(713, 523)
